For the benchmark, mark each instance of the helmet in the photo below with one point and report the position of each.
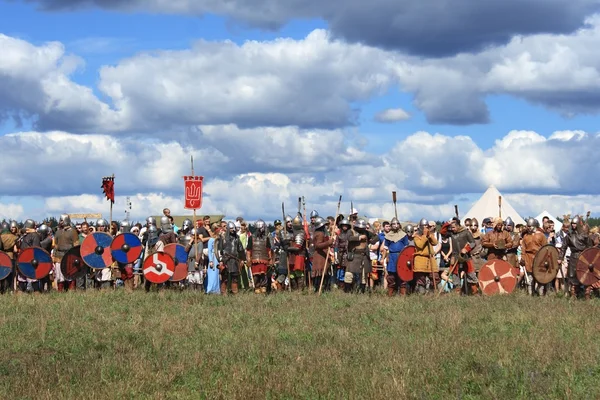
(533, 223)
(151, 221)
(297, 221)
(277, 222)
(423, 222)
(43, 230)
(360, 224)
(29, 224)
(344, 222)
(575, 220)
(125, 226)
(65, 219)
(165, 224)
(509, 222)
(410, 229)
(260, 225)
(13, 224)
(314, 214)
(231, 227)
(186, 224)
(101, 222)
(5, 226)
(152, 235)
(395, 224)
(288, 218)
(319, 222)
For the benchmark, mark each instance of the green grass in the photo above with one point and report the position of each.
(184, 345)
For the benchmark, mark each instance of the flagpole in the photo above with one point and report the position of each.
(195, 226)
(111, 205)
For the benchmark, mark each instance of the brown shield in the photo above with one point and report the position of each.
(405, 264)
(588, 266)
(72, 265)
(545, 264)
(497, 277)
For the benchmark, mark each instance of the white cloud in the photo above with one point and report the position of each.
(11, 211)
(430, 173)
(392, 115)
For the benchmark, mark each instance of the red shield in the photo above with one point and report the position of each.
(193, 192)
(405, 264)
(159, 267)
(497, 277)
(177, 251)
(95, 250)
(6, 265)
(588, 266)
(35, 263)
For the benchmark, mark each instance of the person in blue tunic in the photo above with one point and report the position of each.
(395, 241)
(213, 284)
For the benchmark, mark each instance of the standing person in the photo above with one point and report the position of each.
(394, 242)
(577, 241)
(103, 277)
(533, 240)
(445, 247)
(259, 255)
(232, 255)
(65, 239)
(321, 243)
(462, 245)
(212, 271)
(424, 263)
(497, 241)
(9, 238)
(46, 240)
(341, 255)
(30, 239)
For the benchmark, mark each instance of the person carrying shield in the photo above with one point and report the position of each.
(577, 241)
(65, 239)
(394, 242)
(533, 239)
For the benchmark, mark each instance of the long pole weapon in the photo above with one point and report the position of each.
(307, 238)
(332, 232)
(287, 258)
(500, 206)
(394, 201)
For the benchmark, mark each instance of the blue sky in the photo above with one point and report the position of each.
(111, 37)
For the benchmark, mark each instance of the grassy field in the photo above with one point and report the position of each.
(188, 345)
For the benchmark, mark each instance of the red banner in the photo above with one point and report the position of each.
(193, 192)
(108, 187)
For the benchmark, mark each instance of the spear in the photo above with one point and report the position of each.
(287, 259)
(307, 237)
(500, 206)
(394, 200)
(332, 229)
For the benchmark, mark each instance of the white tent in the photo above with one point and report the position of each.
(487, 206)
(557, 224)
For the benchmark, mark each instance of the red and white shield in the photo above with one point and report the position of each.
(498, 277)
(159, 267)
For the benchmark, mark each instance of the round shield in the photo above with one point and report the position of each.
(35, 263)
(177, 251)
(6, 264)
(545, 264)
(405, 264)
(72, 265)
(497, 277)
(95, 250)
(588, 266)
(159, 267)
(126, 248)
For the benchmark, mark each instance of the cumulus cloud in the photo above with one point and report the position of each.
(430, 173)
(392, 115)
(35, 84)
(286, 82)
(432, 28)
(11, 211)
